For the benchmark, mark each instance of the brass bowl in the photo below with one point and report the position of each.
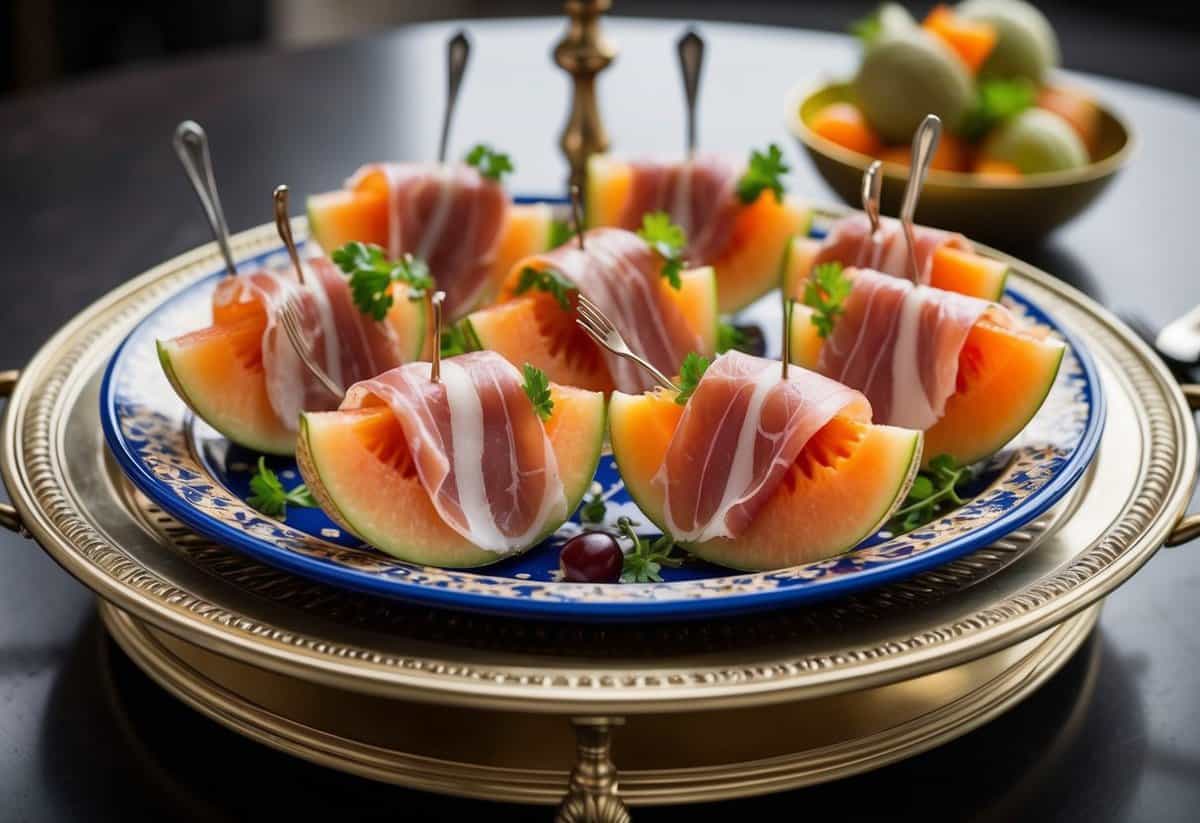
(997, 211)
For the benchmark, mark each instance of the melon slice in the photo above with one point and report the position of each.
(359, 468)
(842, 488)
(339, 217)
(218, 371)
(953, 270)
(1003, 379)
(533, 328)
(749, 267)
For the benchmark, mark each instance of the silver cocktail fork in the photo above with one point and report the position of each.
(592, 320)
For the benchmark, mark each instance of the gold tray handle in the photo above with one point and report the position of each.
(9, 518)
(1188, 527)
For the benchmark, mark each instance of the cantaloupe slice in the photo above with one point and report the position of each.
(358, 467)
(1004, 377)
(842, 488)
(953, 270)
(749, 267)
(533, 328)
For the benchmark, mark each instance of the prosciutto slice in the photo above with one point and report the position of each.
(480, 450)
(899, 344)
(449, 216)
(699, 194)
(850, 243)
(743, 427)
(618, 272)
(347, 344)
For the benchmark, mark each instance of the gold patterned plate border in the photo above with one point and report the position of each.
(55, 468)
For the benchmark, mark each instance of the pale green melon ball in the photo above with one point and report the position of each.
(904, 77)
(1026, 45)
(1036, 140)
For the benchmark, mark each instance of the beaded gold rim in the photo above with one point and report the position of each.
(33, 469)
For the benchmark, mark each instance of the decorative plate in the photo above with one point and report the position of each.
(199, 477)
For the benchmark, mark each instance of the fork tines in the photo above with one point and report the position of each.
(291, 327)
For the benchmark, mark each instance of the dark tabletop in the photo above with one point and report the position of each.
(90, 194)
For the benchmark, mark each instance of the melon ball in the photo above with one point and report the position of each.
(1034, 141)
(1026, 45)
(904, 77)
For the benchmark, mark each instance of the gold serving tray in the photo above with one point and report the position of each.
(1001, 604)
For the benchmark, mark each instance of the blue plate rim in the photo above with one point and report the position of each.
(694, 609)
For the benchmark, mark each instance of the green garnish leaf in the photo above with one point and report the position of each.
(560, 233)
(763, 174)
(693, 368)
(826, 292)
(644, 563)
(934, 491)
(269, 497)
(537, 389)
(668, 242)
(867, 28)
(995, 102)
(372, 274)
(549, 281)
(455, 341)
(492, 164)
(594, 508)
(729, 337)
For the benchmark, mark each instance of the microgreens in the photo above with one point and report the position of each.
(764, 173)
(645, 561)
(549, 281)
(491, 163)
(693, 368)
(537, 389)
(372, 274)
(826, 292)
(594, 508)
(996, 101)
(933, 491)
(668, 242)
(269, 497)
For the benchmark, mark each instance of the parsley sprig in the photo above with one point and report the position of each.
(644, 563)
(668, 242)
(729, 337)
(269, 497)
(693, 368)
(560, 233)
(537, 389)
(594, 508)
(549, 281)
(372, 274)
(996, 101)
(763, 174)
(826, 292)
(491, 164)
(456, 339)
(933, 491)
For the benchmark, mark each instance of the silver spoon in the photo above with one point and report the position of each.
(872, 190)
(457, 52)
(577, 213)
(925, 143)
(191, 144)
(691, 60)
(283, 225)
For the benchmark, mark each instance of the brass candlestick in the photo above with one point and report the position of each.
(584, 52)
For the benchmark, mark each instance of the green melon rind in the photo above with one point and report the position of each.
(574, 490)
(418, 321)
(710, 336)
(243, 435)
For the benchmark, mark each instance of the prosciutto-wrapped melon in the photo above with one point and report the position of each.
(756, 472)
(242, 377)
(944, 260)
(621, 274)
(458, 473)
(461, 223)
(744, 242)
(959, 368)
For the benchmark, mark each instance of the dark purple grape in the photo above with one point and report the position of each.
(591, 557)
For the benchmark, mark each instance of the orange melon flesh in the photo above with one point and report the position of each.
(218, 373)
(953, 270)
(358, 466)
(843, 487)
(533, 328)
(749, 268)
(1004, 377)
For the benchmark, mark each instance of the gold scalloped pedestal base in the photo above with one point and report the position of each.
(676, 758)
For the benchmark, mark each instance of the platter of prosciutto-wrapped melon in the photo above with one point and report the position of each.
(413, 402)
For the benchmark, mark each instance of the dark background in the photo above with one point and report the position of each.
(43, 42)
